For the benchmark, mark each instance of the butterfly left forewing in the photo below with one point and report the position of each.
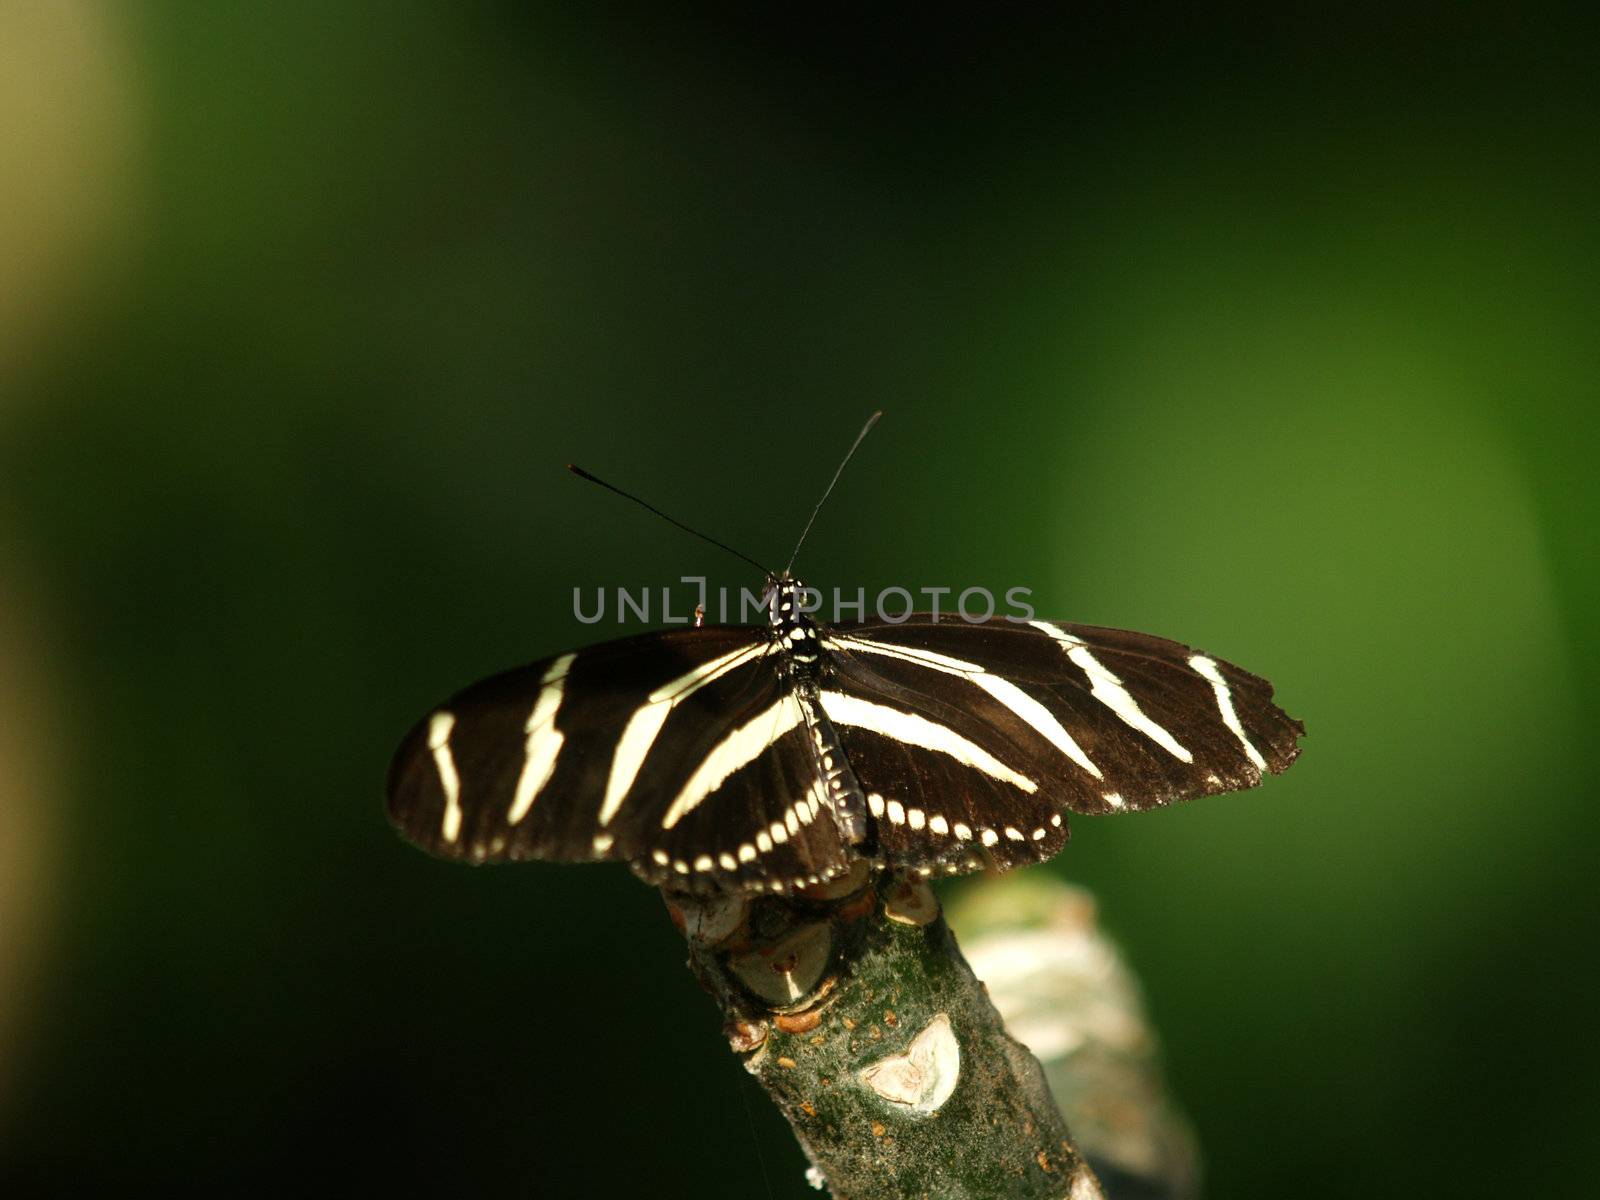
(1210, 726)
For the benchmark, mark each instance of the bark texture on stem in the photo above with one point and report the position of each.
(853, 1007)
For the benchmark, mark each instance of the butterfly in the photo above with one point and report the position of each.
(768, 758)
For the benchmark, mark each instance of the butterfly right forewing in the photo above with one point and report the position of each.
(544, 761)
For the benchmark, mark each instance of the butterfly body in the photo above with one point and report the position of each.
(799, 639)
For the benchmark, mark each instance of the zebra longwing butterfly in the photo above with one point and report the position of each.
(750, 758)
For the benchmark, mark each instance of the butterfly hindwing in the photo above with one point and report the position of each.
(753, 815)
(956, 779)
(940, 786)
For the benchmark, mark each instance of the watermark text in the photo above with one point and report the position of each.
(891, 605)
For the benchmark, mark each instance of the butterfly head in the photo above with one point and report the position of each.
(789, 618)
(785, 598)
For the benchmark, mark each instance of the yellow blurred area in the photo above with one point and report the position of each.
(68, 149)
(30, 810)
(70, 137)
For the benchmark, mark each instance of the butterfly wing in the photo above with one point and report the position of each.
(998, 730)
(677, 752)
(689, 754)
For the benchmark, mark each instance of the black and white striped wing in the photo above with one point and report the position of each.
(974, 741)
(681, 753)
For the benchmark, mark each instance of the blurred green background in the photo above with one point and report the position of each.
(1273, 332)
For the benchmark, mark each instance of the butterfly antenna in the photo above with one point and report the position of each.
(611, 487)
(860, 437)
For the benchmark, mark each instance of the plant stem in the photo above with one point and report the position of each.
(853, 1007)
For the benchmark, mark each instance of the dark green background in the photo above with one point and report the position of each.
(1273, 333)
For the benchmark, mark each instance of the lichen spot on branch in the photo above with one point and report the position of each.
(924, 1076)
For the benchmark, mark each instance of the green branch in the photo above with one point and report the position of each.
(853, 1007)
